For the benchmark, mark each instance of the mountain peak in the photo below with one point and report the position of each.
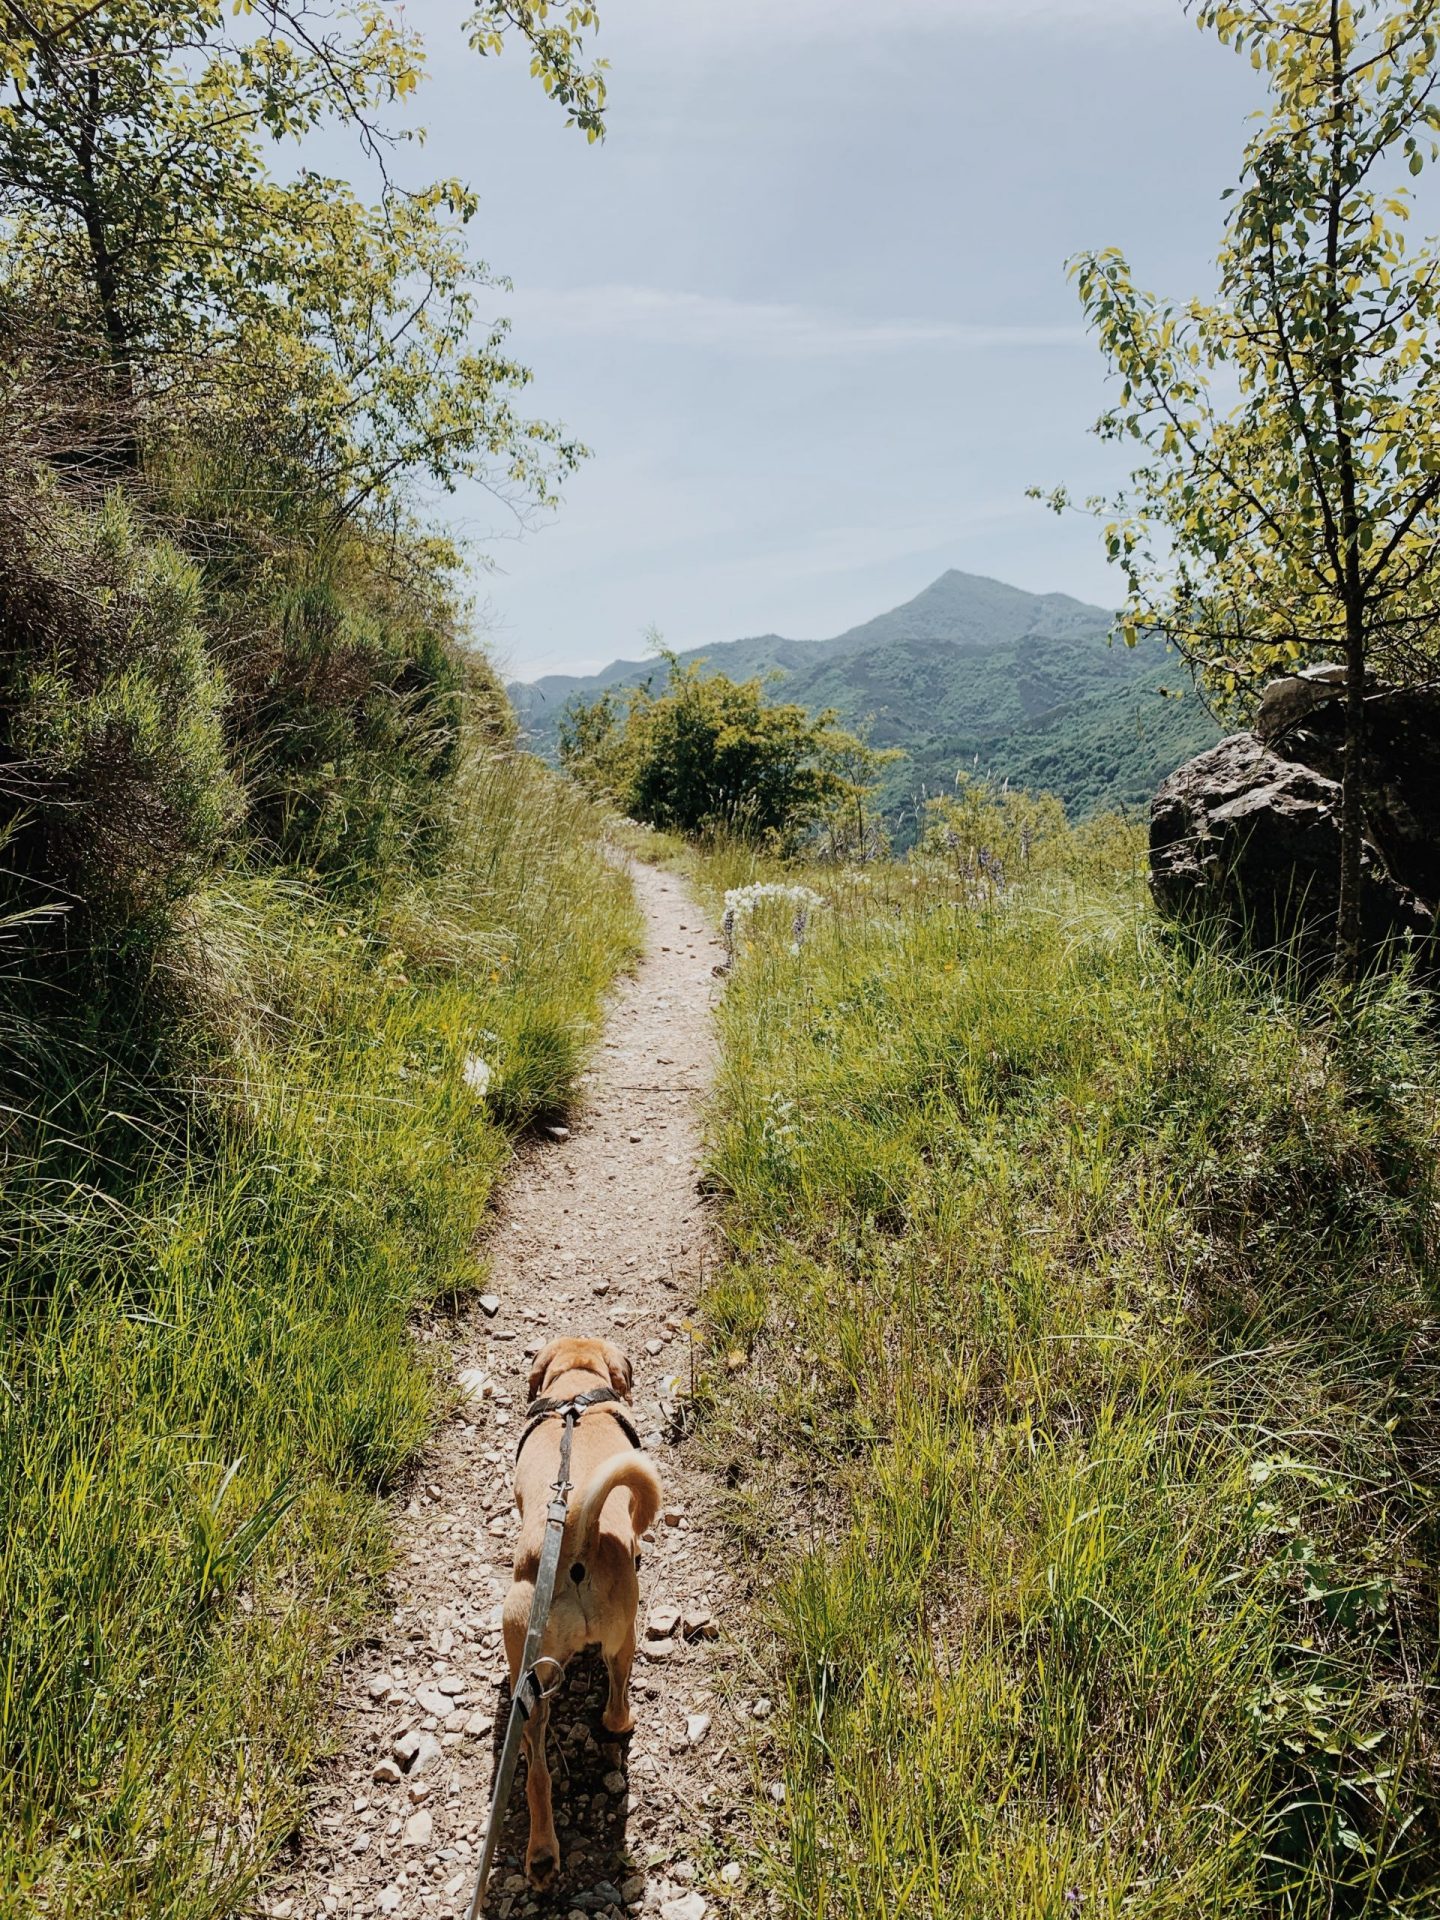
(972, 610)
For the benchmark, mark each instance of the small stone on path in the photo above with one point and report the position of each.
(689, 1906)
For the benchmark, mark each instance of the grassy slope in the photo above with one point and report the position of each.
(1088, 1441)
(207, 1383)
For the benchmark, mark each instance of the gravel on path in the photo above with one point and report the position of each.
(600, 1230)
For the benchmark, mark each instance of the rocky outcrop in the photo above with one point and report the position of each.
(1246, 837)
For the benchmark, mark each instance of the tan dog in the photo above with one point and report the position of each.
(616, 1497)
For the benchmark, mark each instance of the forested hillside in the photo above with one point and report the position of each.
(970, 674)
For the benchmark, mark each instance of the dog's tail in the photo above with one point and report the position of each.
(629, 1469)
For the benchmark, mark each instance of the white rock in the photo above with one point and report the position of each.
(697, 1725)
(730, 1873)
(652, 1347)
(479, 1724)
(658, 1649)
(558, 1133)
(777, 1793)
(379, 1686)
(420, 1828)
(388, 1899)
(763, 1708)
(476, 1075)
(475, 1385)
(387, 1773)
(490, 1304)
(689, 1906)
(662, 1623)
(417, 1752)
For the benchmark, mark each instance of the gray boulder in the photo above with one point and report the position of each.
(1245, 838)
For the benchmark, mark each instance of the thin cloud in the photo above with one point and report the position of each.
(736, 19)
(657, 316)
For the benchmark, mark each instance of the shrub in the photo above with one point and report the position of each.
(115, 793)
(713, 755)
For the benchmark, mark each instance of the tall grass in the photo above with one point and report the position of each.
(1087, 1451)
(209, 1371)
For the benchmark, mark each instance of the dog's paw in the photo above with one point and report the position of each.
(542, 1867)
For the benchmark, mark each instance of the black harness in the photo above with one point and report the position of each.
(539, 1411)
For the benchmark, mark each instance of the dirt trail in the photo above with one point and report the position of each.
(602, 1232)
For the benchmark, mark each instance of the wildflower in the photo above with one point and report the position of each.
(740, 901)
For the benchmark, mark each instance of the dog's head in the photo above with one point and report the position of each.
(574, 1355)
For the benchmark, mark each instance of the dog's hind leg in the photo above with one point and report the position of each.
(618, 1717)
(542, 1856)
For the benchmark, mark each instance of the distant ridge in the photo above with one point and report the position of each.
(970, 673)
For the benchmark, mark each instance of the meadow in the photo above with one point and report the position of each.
(1080, 1406)
(218, 1317)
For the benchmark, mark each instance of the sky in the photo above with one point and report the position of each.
(807, 302)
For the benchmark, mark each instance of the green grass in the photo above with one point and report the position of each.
(210, 1372)
(1087, 1450)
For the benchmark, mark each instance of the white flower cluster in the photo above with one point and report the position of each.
(742, 900)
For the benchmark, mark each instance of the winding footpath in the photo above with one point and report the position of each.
(601, 1231)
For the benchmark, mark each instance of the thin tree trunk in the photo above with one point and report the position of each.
(125, 450)
(1349, 942)
(1349, 952)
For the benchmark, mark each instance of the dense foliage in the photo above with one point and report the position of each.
(712, 755)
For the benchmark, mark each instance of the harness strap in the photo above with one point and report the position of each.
(541, 1410)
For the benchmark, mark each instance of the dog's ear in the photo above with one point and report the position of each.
(541, 1368)
(622, 1374)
